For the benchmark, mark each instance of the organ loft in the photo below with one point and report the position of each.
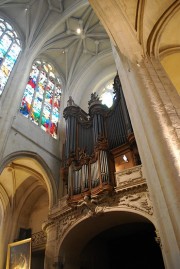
(98, 144)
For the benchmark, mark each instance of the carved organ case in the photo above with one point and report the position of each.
(97, 145)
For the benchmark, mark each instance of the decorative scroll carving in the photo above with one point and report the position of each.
(64, 224)
(137, 201)
(136, 198)
(158, 239)
(90, 206)
(38, 239)
(102, 143)
(132, 194)
(129, 177)
(94, 99)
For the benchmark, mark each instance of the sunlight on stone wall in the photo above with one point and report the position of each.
(171, 64)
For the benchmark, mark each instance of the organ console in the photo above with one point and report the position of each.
(97, 145)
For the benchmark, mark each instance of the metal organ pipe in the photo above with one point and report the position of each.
(73, 135)
(85, 176)
(94, 175)
(67, 138)
(92, 136)
(104, 166)
(70, 177)
(99, 125)
(95, 129)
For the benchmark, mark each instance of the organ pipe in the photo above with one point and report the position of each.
(90, 139)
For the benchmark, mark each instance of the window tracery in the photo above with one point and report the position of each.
(41, 99)
(10, 48)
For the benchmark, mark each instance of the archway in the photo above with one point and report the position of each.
(27, 184)
(117, 237)
(130, 245)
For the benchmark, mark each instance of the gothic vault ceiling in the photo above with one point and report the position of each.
(48, 28)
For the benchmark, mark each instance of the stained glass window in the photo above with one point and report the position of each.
(107, 94)
(9, 51)
(41, 100)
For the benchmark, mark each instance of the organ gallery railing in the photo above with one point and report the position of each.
(97, 145)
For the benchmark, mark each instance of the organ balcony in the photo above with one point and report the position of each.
(99, 145)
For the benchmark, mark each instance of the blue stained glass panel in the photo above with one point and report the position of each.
(9, 52)
(14, 52)
(2, 52)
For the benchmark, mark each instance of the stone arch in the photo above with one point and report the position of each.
(50, 61)
(5, 219)
(48, 179)
(155, 35)
(5, 202)
(86, 228)
(83, 219)
(169, 51)
(15, 27)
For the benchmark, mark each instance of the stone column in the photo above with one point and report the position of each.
(158, 157)
(11, 100)
(154, 114)
(51, 256)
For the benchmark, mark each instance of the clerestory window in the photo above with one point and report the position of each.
(107, 94)
(42, 96)
(9, 50)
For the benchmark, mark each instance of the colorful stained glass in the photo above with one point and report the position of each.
(41, 100)
(9, 51)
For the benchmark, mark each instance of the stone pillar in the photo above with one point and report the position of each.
(14, 92)
(51, 256)
(5, 226)
(152, 107)
(158, 158)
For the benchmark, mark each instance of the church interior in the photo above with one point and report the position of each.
(90, 134)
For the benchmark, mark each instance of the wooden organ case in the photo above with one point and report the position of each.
(97, 145)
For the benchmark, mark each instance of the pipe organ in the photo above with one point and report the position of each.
(97, 145)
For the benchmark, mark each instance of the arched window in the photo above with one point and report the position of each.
(41, 100)
(9, 51)
(107, 94)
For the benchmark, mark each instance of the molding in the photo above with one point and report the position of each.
(49, 180)
(135, 199)
(169, 51)
(15, 27)
(4, 199)
(155, 35)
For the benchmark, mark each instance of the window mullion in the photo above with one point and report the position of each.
(52, 106)
(34, 94)
(44, 97)
(7, 52)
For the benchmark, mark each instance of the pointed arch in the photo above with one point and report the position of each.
(87, 228)
(4, 200)
(155, 35)
(48, 178)
(10, 48)
(42, 97)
